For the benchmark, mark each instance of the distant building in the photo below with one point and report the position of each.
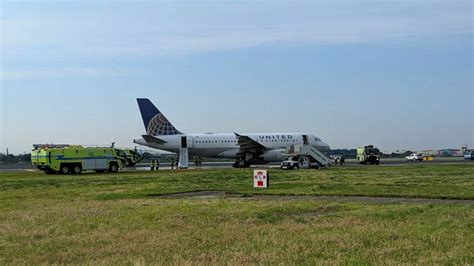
(348, 153)
(451, 153)
(429, 152)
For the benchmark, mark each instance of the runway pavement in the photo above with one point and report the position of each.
(222, 165)
(349, 162)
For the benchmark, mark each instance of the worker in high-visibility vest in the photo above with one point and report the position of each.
(152, 165)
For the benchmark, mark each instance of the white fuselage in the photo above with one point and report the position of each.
(227, 145)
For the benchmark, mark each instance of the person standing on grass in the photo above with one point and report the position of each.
(152, 165)
(343, 160)
(157, 164)
(172, 163)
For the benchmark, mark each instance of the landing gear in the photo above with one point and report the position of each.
(241, 164)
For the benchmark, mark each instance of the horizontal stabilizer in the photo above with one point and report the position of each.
(151, 139)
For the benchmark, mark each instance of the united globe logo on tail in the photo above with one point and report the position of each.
(159, 125)
(155, 122)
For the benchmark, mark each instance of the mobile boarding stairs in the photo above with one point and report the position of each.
(310, 151)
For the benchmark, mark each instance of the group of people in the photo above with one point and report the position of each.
(341, 160)
(155, 164)
(174, 163)
(197, 161)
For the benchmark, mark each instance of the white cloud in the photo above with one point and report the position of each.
(149, 29)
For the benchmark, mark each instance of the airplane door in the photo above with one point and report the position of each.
(305, 140)
(184, 142)
(184, 154)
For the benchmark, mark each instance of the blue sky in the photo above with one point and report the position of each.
(398, 74)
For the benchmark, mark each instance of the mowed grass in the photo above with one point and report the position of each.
(416, 181)
(119, 219)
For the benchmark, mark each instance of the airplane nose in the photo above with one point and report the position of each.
(324, 147)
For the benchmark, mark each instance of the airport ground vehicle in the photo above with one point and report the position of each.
(298, 162)
(290, 164)
(368, 154)
(76, 159)
(132, 157)
(469, 155)
(415, 157)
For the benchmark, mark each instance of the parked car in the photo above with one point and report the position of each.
(415, 157)
(469, 155)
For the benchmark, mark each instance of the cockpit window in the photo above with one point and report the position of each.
(317, 139)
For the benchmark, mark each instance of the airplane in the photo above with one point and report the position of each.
(246, 149)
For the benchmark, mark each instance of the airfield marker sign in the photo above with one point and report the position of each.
(260, 179)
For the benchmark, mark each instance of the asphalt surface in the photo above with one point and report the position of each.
(350, 162)
(224, 165)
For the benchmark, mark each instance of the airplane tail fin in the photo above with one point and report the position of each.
(155, 122)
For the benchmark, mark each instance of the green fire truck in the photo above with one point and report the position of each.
(132, 157)
(69, 159)
(368, 154)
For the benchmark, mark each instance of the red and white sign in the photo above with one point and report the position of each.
(260, 179)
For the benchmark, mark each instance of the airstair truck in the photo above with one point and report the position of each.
(76, 159)
(305, 157)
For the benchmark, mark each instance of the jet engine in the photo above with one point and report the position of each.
(229, 153)
(274, 155)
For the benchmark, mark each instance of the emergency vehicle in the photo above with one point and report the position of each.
(70, 159)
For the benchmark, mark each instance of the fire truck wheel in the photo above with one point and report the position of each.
(65, 169)
(77, 170)
(113, 168)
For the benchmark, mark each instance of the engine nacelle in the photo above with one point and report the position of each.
(229, 154)
(274, 156)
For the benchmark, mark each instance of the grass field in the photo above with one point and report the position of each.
(120, 219)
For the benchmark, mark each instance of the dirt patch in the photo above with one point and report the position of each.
(385, 200)
(196, 195)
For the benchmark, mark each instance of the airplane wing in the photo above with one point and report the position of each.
(151, 139)
(249, 145)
